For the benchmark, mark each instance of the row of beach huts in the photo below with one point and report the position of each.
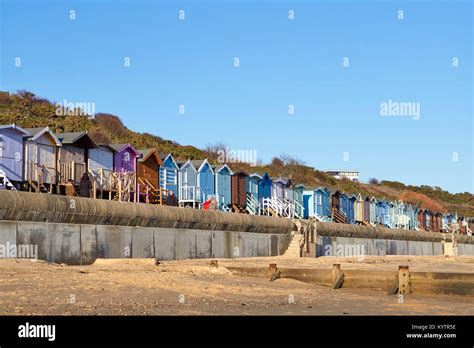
(39, 160)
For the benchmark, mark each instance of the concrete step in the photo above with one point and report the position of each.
(293, 250)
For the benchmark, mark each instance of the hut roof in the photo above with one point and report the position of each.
(35, 133)
(78, 138)
(15, 127)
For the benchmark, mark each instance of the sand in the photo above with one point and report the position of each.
(192, 287)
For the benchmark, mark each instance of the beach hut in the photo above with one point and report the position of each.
(125, 171)
(205, 179)
(125, 158)
(391, 217)
(254, 184)
(382, 212)
(253, 204)
(73, 156)
(448, 220)
(317, 203)
(168, 175)
(427, 219)
(401, 215)
(359, 209)
(433, 227)
(421, 219)
(351, 201)
(445, 222)
(462, 225)
(309, 203)
(298, 201)
(11, 155)
(411, 217)
(322, 198)
(264, 187)
(239, 190)
(437, 222)
(188, 191)
(101, 169)
(41, 149)
(148, 167)
(335, 200)
(373, 210)
(339, 207)
(223, 179)
(149, 163)
(280, 188)
(367, 210)
(414, 218)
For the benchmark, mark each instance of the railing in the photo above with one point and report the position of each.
(273, 204)
(103, 180)
(71, 171)
(299, 210)
(189, 194)
(144, 188)
(326, 214)
(288, 208)
(124, 183)
(221, 203)
(388, 221)
(253, 205)
(415, 223)
(224, 207)
(402, 221)
(5, 183)
(338, 216)
(39, 174)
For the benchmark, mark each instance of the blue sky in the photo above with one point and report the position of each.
(282, 62)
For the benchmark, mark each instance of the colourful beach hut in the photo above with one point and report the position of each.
(11, 154)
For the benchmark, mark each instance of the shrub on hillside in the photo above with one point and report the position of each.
(422, 201)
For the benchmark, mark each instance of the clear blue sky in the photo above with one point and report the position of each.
(282, 62)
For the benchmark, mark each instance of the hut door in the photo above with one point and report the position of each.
(46, 158)
(319, 204)
(226, 185)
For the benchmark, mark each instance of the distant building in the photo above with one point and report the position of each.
(352, 175)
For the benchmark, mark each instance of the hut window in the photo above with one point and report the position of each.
(170, 177)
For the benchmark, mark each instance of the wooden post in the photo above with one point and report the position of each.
(272, 268)
(214, 264)
(120, 190)
(337, 276)
(404, 284)
(73, 171)
(336, 269)
(273, 272)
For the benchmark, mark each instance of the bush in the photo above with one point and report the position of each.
(374, 181)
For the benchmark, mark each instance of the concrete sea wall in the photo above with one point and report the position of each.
(331, 239)
(82, 244)
(77, 230)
